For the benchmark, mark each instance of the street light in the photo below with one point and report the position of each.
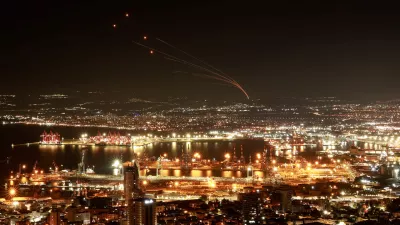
(227, 156)
(176, 184)
(116, 165)
(248, 171)
(12, 192)
(212, 184)
(21, 167)
(197, 155)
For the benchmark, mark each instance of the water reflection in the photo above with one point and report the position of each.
(177, 173)
(102, 157)
(196, 173)
(227, 173)
(205, 173)
(259, 174)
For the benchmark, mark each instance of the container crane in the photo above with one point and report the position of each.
(34, 167)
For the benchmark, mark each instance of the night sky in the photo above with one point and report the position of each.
(272, 50)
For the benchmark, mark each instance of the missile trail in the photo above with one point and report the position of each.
(228, 83)
(199, 67)
(234, 84)
(202, 61)
(179, 60)
(215, 76)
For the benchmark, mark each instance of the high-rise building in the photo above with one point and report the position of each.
(54, 217)
(70, 213)
(142, 211)
(286, 194)
(252, 207)
(131, 181)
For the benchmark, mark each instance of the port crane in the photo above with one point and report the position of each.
(55, 166)
(81, 165)
(34, 167)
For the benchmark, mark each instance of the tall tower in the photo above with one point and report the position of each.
(142, 212)
(54, 217)
(286, 194)
(131, 180)
(251, 208)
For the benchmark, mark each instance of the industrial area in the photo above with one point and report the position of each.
(276, 184)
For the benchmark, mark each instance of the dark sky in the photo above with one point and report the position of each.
(306, 48)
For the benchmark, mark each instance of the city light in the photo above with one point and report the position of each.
(116, 163)
(12, 192)
(197, 155)
(171, 146)
(148, 201)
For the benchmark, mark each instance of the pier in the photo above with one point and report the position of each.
(134, 143)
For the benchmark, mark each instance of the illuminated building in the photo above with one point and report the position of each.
(131, 180)
(251, 208)
(285, 198)
(54, 217)
(142, 212)
(70, 213)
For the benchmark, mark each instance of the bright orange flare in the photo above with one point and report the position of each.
(151, 52)
(114, 25)
(144, 37)
(12, 192)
